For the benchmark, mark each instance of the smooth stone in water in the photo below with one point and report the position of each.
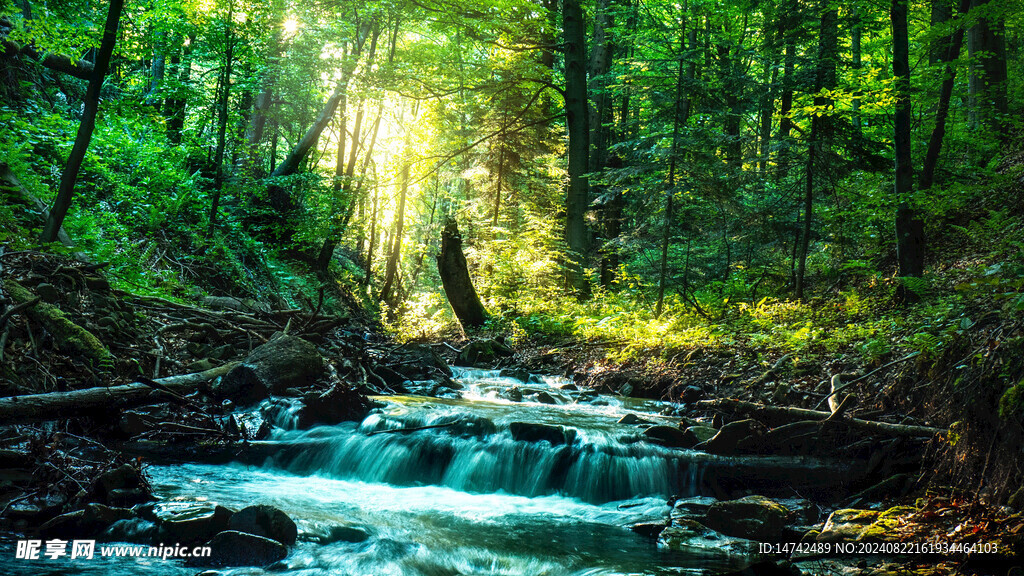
(233, 548)
(753, 517)
(267, 521)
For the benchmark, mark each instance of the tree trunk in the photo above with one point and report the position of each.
(87, 125)
(156, 80)
(454, 272)
(681, 115)
(391, 271)
(576, 113)
(103, 400)
(222, 120)
(909, 229)
(931, 158)
(987, 45)
(821, 133)
(175, 105)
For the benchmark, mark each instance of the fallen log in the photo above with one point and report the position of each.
(777, 416)
(77, 403)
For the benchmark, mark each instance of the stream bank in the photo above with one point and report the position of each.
(385, 458)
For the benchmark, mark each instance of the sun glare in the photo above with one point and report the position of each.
(291, 26)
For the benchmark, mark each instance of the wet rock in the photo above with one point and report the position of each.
(234, 548)
(263, 520)
(515, 373)
(847, 525)
(514, 394)
(127, 497)
(864, 525)
(532, 432)
(695, 508)
(632, 419)
(97, 517)
(692, 394)
(35, 510)
(697, 434)
(252, 425)
(730, 435)
(48, 292)
(338, 404)
(699, 541)
(648, 529)
(65, 525)
(284, 362)
(545, 398)
(752, 517)
(121, 486)
(190, 521)
(90, 522)
(331, 534)
(467, 425)
(483, 352)
(667, 436)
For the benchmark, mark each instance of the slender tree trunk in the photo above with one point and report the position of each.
(931, 158)
(856, 34)
(391, 271)
(373, 238)
(158, 68)
(821, 134)
(85, 128)
(909, 228)
(576, 111)
(175, 106)
(224, 98)
(682, 112)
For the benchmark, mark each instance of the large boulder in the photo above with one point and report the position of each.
(234, 548)
(188, 521)
(753, 517)
(267, 521)
(698, 541)
(284, 362)
(670, 436)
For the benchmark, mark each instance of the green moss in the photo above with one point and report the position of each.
(1012, 402)
(70, 337)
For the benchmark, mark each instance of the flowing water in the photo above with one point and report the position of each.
(475, 485)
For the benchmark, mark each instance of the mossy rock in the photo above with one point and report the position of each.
(69, 337)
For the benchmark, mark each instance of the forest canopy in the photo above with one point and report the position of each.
(601, 166)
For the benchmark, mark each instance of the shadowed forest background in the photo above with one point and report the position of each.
(836, 184)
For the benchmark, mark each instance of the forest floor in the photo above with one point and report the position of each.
(926, 485)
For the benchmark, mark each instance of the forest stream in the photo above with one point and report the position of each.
(504, 477)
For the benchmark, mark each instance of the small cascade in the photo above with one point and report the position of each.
(483, 443)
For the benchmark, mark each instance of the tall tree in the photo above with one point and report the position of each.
(85, 128)
(577, 236)
(818, 144)
(909, 228)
